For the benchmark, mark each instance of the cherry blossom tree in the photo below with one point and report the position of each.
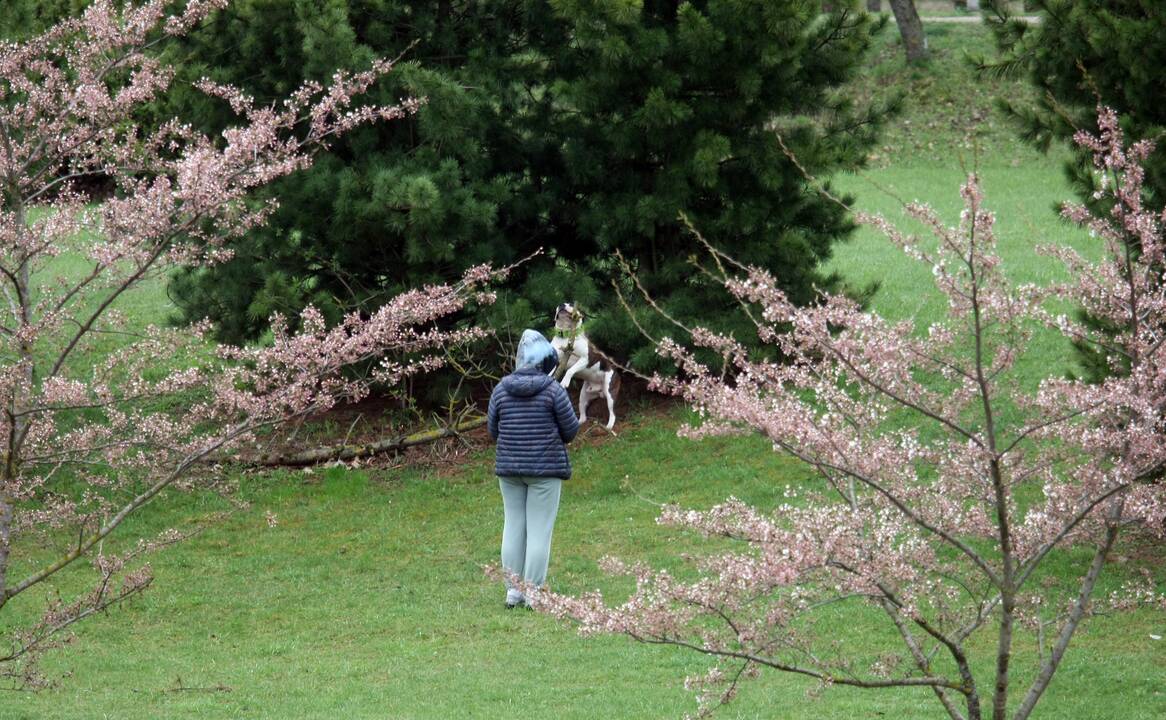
(947, 484)
(98, 415)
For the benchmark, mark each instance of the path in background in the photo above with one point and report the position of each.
(969, 19)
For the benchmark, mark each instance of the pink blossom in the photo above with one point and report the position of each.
(89, 441)
(944, 482)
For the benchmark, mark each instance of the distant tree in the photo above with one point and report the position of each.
(948, 486)
(100, 413)
(910, 29)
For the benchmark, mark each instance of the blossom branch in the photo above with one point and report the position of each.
(925, 437)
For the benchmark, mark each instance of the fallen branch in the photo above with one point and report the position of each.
(357, 451)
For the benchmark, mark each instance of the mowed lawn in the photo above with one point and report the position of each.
(368, 599)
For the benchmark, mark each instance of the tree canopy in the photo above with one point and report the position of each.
(585, 127)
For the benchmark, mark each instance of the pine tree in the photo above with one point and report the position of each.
(661, 107)
(1082, 54)
(21, 18)
(580, 126)
(391, 206)
(1085, 53)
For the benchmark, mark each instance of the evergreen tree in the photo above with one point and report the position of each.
(21, 18)
(391, 206)
(1081, 54)
(654, 108)
(580, 126)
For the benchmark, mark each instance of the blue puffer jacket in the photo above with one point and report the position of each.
(532, 419)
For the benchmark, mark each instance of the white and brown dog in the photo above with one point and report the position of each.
(579, 358)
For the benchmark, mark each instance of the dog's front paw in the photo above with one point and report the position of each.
(565, 382)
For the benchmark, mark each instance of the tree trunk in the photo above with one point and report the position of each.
(6, 519)
(1076, 612)
(22, 319)
(874, 5)
(910, 28)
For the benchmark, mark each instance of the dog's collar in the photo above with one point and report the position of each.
(569, 334)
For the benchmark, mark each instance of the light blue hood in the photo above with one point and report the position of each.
(534, 351)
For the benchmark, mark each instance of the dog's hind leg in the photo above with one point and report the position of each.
(587, 393)
(610, 397)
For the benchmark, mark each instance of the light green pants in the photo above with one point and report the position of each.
(530, 505)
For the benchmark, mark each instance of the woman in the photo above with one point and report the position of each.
(531, 418)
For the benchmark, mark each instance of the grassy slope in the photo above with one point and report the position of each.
(949, 127)
(367, 600)
(1023, 200)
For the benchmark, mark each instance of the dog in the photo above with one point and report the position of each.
(579, 358)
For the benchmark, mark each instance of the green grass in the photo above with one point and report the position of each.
(1023, 199)
(948, 114)
(949, 126)
(367, 600)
